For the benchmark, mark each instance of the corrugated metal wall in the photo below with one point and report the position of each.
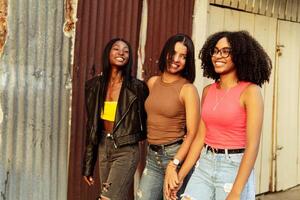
(165, 18)
(98, 22)
(34, 70)
(283, 9)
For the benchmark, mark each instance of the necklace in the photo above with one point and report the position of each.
(219, 100)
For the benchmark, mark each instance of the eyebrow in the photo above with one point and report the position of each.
(116, 45)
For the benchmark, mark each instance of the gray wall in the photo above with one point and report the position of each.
(34, 98)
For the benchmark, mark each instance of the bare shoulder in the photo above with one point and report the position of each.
(252, 94)
(189, 88)
(151, 81)
(252, 89)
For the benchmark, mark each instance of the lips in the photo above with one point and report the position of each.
(174, 66)
(219, 63)
(120, 59)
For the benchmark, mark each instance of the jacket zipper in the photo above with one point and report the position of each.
(123, 116)
(142, 129)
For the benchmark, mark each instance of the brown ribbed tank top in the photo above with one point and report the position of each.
(166, 121)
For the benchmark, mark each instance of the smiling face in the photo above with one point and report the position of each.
(222, 63)
(119, 54)
(177, 63)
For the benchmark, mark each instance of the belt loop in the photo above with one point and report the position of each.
(206, 148)
(226, 153)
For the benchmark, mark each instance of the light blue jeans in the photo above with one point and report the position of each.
(214, 175)
(151, 183)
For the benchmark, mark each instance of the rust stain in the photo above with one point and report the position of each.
(3, 24)
(70, 17)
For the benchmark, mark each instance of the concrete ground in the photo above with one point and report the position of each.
(291, 194)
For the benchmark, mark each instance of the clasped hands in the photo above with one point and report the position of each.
(172, 182)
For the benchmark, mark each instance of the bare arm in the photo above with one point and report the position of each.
(190, 99)
(196, 146)
(191, 102)
(172, 179)
(252, 99)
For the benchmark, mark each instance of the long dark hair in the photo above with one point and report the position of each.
(126, 69)
(251, 61)
(168, 51)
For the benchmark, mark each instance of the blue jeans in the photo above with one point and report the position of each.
(151, 183)
(214, 175)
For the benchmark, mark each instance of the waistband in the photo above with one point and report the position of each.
(108, 135)
(160, 147)
(223, 151)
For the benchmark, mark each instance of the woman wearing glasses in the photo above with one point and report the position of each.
(231, 119)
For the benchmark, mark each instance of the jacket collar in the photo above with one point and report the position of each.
(126, 98)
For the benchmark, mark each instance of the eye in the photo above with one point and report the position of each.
(183, 56)
(226, 50)
(215, 51)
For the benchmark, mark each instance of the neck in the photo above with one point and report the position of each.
(228, 81)
(169, 78)
(116, 75)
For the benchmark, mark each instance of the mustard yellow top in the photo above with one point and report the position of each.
(109, 112)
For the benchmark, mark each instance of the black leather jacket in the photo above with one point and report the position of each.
(130, 121)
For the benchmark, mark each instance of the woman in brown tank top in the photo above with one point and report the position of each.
(172, 115)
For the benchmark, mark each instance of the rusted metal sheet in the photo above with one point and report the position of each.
(34, 99)
(283, 9)
(165, 18)
(3, 24)
(98, 22)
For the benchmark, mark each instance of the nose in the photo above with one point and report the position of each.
(121, 52)
(176, 58)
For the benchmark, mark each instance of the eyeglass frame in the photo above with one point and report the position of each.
(213, 53)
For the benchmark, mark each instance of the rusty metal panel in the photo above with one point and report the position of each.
(98, 22)
(34, 100)
(283, 9)
(165, 18)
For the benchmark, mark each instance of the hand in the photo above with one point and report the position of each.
(233, 196)
(89, 180)
(171, 181)
(173, 193)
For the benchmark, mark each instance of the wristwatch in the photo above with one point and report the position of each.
(176, 161)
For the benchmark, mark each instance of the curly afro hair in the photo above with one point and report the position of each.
(251, 61)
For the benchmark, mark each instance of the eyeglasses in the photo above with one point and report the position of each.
(225, 52)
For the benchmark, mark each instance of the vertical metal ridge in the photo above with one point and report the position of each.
(282, 9)
(32, 73)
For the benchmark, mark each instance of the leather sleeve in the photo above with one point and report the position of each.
(91, 147)
(143, 115)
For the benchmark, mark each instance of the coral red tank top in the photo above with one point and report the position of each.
(224, 117)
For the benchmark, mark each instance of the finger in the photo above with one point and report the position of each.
(86, 180)
(91, 180)
(174, 185)
(166, 189)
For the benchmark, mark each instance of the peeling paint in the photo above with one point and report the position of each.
(4, 193)
(3, 24)
(70, 17)
(1, 116)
